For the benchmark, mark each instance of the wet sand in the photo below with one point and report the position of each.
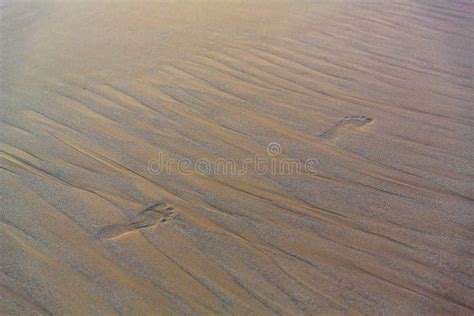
(378, 94)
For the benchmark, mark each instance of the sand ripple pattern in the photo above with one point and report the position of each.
(378, 93)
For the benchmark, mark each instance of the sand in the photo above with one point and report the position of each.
(96, 95)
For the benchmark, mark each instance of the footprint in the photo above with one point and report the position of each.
(159, 212)
(356, 121)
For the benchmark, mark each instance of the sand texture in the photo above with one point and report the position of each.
(379, 94)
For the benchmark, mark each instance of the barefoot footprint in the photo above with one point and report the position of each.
(150, 216)
(356, 121)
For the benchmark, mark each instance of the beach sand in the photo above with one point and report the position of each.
(371, 100)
